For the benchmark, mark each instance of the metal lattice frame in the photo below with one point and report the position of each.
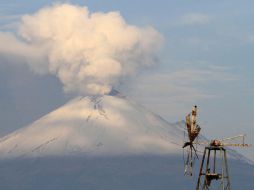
(212, 175)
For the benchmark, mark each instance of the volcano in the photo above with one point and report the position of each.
(103, 143)
(96, 125)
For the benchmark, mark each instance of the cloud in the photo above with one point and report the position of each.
(9, 26)
(180, 88)
(18, 51)
(89, 52)
(9, 17)
(195, 19)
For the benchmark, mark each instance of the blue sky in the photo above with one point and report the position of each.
(207, 59)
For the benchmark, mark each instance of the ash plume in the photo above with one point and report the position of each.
(89, 52)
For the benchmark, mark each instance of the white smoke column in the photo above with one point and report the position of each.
(89, 52)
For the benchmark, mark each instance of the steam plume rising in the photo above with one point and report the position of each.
(89, 52)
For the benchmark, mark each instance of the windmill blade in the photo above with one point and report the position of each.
(190, 159)
(193, 131)
(188, 164)
(188, 125)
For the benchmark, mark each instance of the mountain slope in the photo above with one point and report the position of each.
(101, 143)
(109, 124)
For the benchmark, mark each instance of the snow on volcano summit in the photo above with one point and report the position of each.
(102, 125)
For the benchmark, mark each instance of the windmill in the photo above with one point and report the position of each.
(214, 167)
(190, 152)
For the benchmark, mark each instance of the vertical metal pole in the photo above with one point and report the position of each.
(207, 168)
(226, 165)
(201, 169)
(222, 168)
(191, 164)
(214, 162)
(186, 167)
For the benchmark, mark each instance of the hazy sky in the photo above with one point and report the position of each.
(206, 60)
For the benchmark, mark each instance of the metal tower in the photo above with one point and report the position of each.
(214, 167)
(214, 172)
